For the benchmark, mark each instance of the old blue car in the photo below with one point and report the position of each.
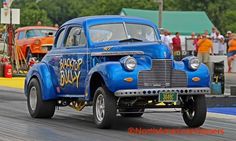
(118, 65)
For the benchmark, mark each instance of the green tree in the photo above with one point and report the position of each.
(230, 18)
(111, 7)
(216, 9)
(31, 13)
(220, 12)
(60, 11)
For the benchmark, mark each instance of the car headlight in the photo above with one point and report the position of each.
(194, 63)
(129, 63)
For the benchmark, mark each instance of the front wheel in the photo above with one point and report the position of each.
(194, 111)
(36, 106)
(104, 108)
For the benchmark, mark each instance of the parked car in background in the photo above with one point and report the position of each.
(34, 41)
(118, 65)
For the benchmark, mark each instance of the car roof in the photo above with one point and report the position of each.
(35, 27)
(90, 20)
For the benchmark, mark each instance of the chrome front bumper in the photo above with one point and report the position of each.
(155, 92)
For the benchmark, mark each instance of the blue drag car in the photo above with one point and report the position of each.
(119, 66)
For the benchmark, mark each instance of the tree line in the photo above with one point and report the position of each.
(221, 12)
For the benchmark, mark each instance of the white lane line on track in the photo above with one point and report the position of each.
(221, 116)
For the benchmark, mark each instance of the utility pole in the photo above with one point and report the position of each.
(160, 8)
(6, 6)
(160, 2)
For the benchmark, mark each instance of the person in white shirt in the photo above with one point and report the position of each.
(219, 40)
(166, 39)
(213, 33)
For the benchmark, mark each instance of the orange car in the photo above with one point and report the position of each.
(34, 41)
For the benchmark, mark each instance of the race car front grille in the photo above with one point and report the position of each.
(162, 75)
(178, 79)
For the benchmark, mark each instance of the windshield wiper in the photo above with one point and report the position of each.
(131, 40)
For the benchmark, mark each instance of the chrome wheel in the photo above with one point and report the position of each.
(100, 108)
(194, 110)
(38, 108)
(33, 98)
(104, 108)
(190, 111)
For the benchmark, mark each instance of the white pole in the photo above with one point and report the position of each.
(160, 13)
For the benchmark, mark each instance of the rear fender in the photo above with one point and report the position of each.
(47, 82)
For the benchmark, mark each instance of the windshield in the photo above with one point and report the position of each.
(117, 32)
(39, 33)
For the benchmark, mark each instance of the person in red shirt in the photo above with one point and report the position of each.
(195, 43)
(177, 46)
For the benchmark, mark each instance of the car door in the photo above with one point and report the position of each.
(72, 57)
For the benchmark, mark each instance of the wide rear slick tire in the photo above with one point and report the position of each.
(36, 106)
(104, 108)
(194, 111)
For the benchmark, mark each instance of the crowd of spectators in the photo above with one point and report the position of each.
(205, 45)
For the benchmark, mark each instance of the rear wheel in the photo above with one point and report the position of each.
(194, 111)
(104, 107)
(36, 106)
(134, 114)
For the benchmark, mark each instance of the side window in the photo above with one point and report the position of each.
(30, 34)
(82, 41)
(21, 35)
(75, 38)
(59, 39)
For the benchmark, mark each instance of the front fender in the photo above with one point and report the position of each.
(42, 72)
(114, 74)
(202, 72)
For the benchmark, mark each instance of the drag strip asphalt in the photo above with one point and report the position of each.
(70, 125)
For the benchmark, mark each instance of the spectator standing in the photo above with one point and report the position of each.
(192, 38)
(195, 44)
(227, 38)
(213, 33)
(232, 51)
(204, 48)
(177, 45)
(39, 23)
(166, 39)
(206, 33)
(56, 25)
(220, 42)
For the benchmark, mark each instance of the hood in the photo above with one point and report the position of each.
(155, 50)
